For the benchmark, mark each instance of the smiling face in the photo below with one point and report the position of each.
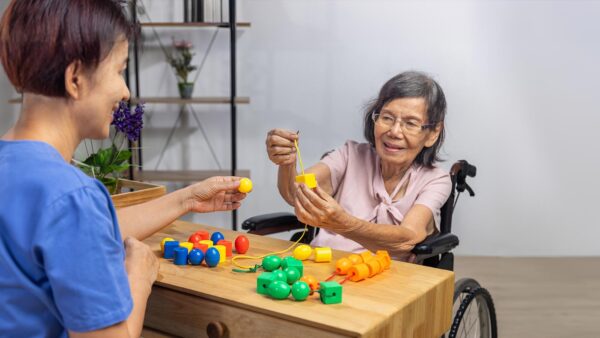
(105, 88)
(393, 146)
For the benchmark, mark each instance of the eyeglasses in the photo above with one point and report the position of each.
(410, 126)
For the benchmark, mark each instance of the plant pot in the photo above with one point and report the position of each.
(186, 90)
(135, 192)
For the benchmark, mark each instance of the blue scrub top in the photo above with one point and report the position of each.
(61, 253)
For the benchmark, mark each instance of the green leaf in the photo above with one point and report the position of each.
(122, 156)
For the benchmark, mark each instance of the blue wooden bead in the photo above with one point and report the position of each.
(170, 249)
(181, 255)
(216, 237)
(212, 257)
(196, 256)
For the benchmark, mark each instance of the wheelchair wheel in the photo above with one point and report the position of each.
(474, 312)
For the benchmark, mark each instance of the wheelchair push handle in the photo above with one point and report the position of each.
(461, 170)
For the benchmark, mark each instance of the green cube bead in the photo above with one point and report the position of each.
(263, 281)
(331, 292)
(291, 262)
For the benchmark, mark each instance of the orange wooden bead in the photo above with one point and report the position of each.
(382, 262)
(386, 257)
(358, 272)
(355, 259)
(312, 282)
(374, 267)
(342, 266)
(366, 256)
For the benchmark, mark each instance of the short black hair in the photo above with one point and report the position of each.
(416, 85)
(39, 39)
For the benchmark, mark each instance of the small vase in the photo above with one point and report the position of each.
(185, 90)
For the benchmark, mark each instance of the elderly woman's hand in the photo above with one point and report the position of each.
(280, 146)
(218, 193)
(317, 208)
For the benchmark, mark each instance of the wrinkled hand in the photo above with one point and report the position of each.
(317, 208)
(218, 193)
(140, 262)
(280, 146)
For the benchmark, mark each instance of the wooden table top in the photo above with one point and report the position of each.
(412, 294)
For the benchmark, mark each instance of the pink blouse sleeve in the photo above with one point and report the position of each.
(435, 193)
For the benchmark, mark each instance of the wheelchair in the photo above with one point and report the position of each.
(474, 314)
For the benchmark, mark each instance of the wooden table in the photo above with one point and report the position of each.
(407, 300)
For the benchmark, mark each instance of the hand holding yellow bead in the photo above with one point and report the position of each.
(245, 185)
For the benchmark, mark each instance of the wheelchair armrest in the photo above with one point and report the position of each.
(272, 223)
(435, 245)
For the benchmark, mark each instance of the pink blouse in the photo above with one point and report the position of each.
(358, 187)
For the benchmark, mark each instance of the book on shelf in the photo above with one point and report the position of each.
(206, 11)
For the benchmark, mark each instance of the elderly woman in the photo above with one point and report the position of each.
(63, 267)
(384, 194)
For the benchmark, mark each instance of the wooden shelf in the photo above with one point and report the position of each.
(193, 100)
(194, 24)
(184, 175)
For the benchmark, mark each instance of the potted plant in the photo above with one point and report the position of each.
(108, 164)
(181, 61)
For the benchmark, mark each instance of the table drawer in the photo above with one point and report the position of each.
(186, 315)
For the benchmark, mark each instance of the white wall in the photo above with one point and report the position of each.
(521, 82)
(519, 76)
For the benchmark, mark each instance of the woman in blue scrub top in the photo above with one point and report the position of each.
(63, 267)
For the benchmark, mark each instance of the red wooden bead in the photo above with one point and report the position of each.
(195, 238)
(241, 244)
(204, 234)
(202, 247)
(227, 245)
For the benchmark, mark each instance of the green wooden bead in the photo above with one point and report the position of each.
(331, 292)
(300, 290)
(291, 262)
(280, 275)
(263, 281)
(292, 275)
(279, 289)
(271, 263)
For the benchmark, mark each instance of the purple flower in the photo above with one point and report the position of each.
(129, 123)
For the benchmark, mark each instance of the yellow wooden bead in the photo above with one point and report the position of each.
(302, 252)
(309, 179)
(162, 243)
(207, 242)
(222, 252)
(322, 255)
(245, 185)
(188, 245)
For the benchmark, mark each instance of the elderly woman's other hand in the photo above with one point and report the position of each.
(280, 146)
(218, 193)
(317, 208)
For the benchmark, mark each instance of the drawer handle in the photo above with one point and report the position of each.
(216, 330)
